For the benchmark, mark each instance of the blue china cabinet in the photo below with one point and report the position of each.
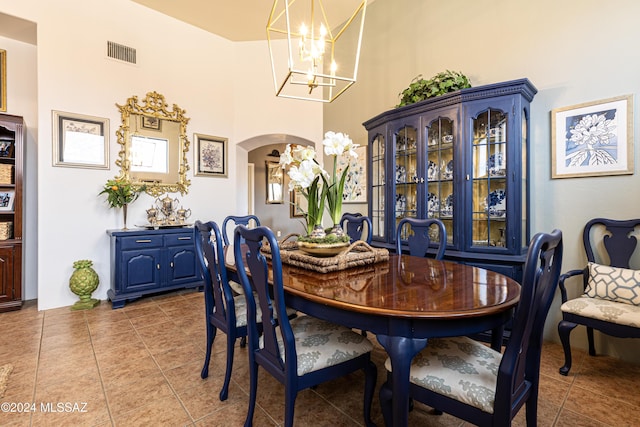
(461, 157)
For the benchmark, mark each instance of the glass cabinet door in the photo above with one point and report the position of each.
(406, 174)
(440, 169)
(489, 183)
(378, 186)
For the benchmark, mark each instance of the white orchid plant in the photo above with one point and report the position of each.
(337, 144)
(305, 174)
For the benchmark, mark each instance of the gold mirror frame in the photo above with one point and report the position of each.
(153, 106)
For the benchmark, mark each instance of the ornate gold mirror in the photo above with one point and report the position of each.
(154, 145)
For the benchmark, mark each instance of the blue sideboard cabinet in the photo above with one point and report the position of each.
(146, 262)
(463, 158)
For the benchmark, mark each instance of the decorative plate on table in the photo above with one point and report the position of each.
(496, 165)
(432, 172)
(433, 204)
(401, 174)
(496, 203)
(447, 206)
(447, 169)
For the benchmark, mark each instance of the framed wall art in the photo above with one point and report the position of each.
(80, 141)
(275, 183)
(3, 80)
(298, 204)
(593, 139)
(210, 155)
(355, 185)
(153, 123)
(7, 198)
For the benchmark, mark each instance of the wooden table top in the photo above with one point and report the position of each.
(405, 286)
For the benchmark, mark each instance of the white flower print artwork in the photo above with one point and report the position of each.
(593, 139)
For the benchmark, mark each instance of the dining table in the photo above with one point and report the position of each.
(404, 301)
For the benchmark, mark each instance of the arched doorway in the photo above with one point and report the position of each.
(257, 151)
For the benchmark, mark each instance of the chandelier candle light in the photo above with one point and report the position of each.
(315, 47)
(319, 187)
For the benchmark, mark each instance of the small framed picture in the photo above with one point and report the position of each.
(298, 204)
(6, 147)
(275, 183)
(593, 139)
(80, 141)
(153, 123)
(6, 200)
(210, 156)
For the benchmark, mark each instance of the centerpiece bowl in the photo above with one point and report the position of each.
(322, 249)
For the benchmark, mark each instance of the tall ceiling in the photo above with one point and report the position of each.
(235, 20)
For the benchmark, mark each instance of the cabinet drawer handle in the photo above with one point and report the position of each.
(158, 266)
(144, 241)
(171, 263)
(184, 238)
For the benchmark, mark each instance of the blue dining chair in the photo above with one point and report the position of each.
(233, 221)
(420, 241)
(301, 352)
(357, 227)
(224, 311)
(492, 387)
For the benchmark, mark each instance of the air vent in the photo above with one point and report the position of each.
(121, 52)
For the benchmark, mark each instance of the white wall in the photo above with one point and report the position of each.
(191, 68)
(573, 51)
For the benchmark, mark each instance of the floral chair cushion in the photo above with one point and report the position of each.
(601, 309)
(320, 344)
(240, 303)
(458, 367)
(613, 284)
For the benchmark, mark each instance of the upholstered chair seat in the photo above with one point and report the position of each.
(607, 311)
(320, 344)
(460, 368)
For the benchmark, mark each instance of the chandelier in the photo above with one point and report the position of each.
(322, 49)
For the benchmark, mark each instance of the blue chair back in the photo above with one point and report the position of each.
(420, 241)
(520, 367)
(267, 285)
(219, 301)
(517, 371)
(357, 227)
(237, 220)
(210, 252)
(271, 308)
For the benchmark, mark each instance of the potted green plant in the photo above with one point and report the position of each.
(420, 89)
(120, 193)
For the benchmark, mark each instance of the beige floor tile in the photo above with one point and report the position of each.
(203, 399)
(136, 373)
(124, 398)
(590, 403)
(178, 356)
(569, 418)
(141, 365)
(15, 419)
(162, 412)
(234, 415)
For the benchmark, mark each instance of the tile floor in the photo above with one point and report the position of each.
(140, 365)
